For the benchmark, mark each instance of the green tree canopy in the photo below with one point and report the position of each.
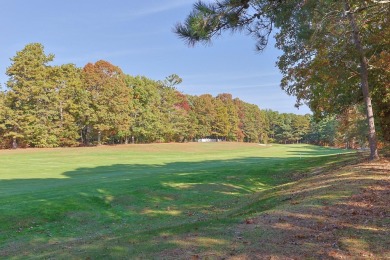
(326, 45)
(31, 94)
(49, 106)
(109, 99)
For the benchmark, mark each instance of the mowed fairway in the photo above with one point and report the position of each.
(140, 200)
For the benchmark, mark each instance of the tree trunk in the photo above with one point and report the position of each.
(14, 143)
(99, 137)
(84, 135)
(61, 115)
(364, 82)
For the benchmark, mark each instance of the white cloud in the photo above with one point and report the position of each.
(230, 77)
(157, 8)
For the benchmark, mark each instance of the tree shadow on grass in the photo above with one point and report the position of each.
(337, 215)
(127, 210)
(319, 151)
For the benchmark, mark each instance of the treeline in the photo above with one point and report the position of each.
(56, 106)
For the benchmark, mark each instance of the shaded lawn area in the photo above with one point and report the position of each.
(342, 213)
(160, 200)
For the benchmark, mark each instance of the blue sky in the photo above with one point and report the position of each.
(137, 36)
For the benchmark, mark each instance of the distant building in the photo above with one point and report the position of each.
(208, 140)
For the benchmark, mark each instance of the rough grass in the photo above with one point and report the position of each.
(220, 200)
(340, 213)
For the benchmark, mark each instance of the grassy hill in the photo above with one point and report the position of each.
(195, 200)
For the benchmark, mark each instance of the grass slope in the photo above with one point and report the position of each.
(146, 201)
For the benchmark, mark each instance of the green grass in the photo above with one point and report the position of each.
(117, 202)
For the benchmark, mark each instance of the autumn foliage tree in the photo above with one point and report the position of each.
(31, 96)
(51, 106)
(109, 99)
(328, 47)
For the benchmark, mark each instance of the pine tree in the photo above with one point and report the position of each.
(326, 46)
(31, 94)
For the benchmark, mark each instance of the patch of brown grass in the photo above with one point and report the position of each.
(338, 214)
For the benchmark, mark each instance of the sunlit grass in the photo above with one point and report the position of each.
(134, 200)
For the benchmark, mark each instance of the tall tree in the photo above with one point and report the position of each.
(233, 119)
(221, 125)
(71, 103)
(300, 126)
(251, 123)
(174, 106)
(379, 73)
(204, 108)
(183, 121)
(239, 104)
(171, 81)
(352, 128)
(110, 99)
(145, 114)
(32, 94)
(325, 59)
(273, 120)
(4, 111)
(307, 29)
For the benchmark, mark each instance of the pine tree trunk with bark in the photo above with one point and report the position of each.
(364, 82)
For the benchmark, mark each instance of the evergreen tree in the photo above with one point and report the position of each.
(4, 113)
(32, 93)
(48, 106)
(321, 41)
(300, 126)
